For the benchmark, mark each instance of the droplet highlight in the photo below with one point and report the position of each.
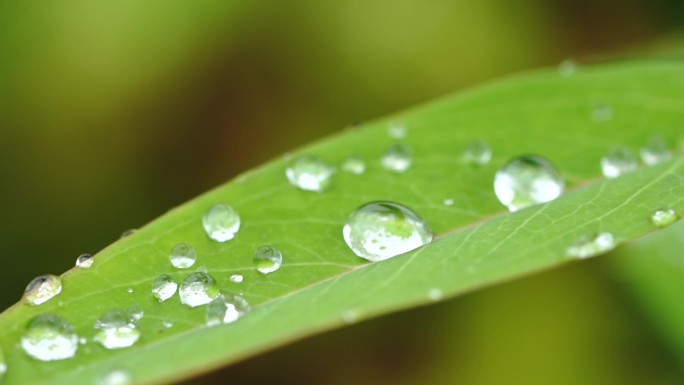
(84, 261)
(182, 256)
(42, 289)
(236, 278)
(3, 365)
(526, 181)
(198, 289)
(226, 309)
(619, 161)
(448, 202)
(397, 158)
(354, 165)
(164, 287)
(221, 223)
(267, 259)
(135, 313)
(116, 377)
(477, 153)
(310, 173)
(664, 217)
(49, 338)
(591, 246)
(655, 151)
(380, 230)
(115, 330)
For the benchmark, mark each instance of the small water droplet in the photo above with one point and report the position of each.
(84, 261)
(664, 217)
(397, 158)
(526, 181)
(221, 223)
(128, 233)
(435, 294)
(448, 202)
(164, 287)
(49, 338)
(3, 365)
(115, 330)
(477, 153)
(236, 278)
(130, 290)
(82, 341)
(354, 165)
(267, 259)
(116, 377)
(602, 113)
(42, 289)
(397, 131)
(309, 173)
(656, 151)
(226, 309)
(135, 313)
(198, 289)
(350, 316)
(167, 324)
(619, 161)
(567, 68)
(380, 230)
(182, 256)
(590, 246)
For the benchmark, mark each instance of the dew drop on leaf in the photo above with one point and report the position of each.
(84, 261)
(42, 289)
(602, 113)
(309, 173)
(226, 309)
(397, 131)
(236, 278)
(198, 289)
(164, 287)
(3, 365)
(221, 223)
(526, 181)
(591, 246)
(477, 153)
(49, 338)
(267, 259)
(115, 330)
(397, 158)
(354, 165)
(619, 161)
(664, 217)
(116, 377)
(182, 256)
(567, 68)
(435, 294)
(381, 230)
(448, 202)
(135, 313)
(655, 151)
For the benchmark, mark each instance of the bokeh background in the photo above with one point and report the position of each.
(113, 112)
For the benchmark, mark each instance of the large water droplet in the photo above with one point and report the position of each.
(354, 165)
(526, 181)
(221, 223)
(664, 217)
(590, 246)
(84, 261)
(3, 365)
(310, 174)
(602, 113)
(267, 259)
(182, 256)
(115, 330)
(198, 289)
(226, 309)
(477, 153)
(116, 377)
(236, 278)
(42, 288)
(397, 158)
(164, 287)
(656, 151)
(619, 161)
(49, 338)
(381, 230)
(397, 131)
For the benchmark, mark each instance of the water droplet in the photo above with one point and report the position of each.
(3, 365)
(164, 287)
(198, 289)
(221, 223)
(435, 294)
(619, 161)
(590, 246)
(42, 289)
(350, 316)
(267, 259)
(664, 217)
(310, 174)
(236, 278)
(84, 261)
(397, 158)
(381, 230)
(182, 256)
(135, 313)
(115, 330)
(128, 233)
(226, 309)
(82, 341)
(130, 290)
(49, 338)
(354, 165)
(527, 180)
(567, 68)
(602, 113)
(116, 377)
(167, 324)
(397, 131)
(656, 151)
(448, 202)
(477, 153)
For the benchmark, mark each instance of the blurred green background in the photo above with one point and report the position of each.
(113, 112)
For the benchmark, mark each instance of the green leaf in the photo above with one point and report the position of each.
(322, 284)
